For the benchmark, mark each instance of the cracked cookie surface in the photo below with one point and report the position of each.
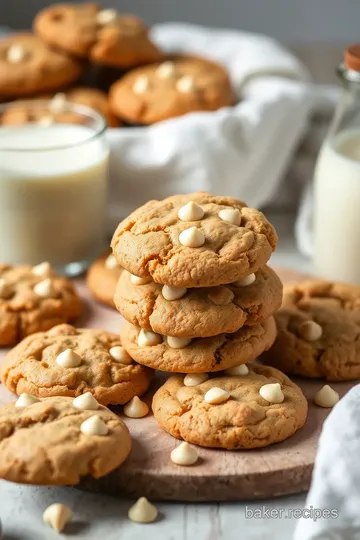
(102, 281)
(200, 312)
(23, 312)
(335, 354)
(245, 420)
(202, 354)
(42, 443)
(147, 242)
(31, 367)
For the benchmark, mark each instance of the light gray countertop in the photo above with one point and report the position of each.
(99, 516)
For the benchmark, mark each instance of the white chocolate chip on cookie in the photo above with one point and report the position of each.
(45, 289)
(68, 359)
(58, 103)
(245, 281)
(141, 85)
(173, 293)
(110, 262)
(165, 70)
(147, 338)
(326, 397)
(177, 343)
(190, 212)
(136, 408)
(237, 370)
(143, 511)
(192, 237)
(42, 270)
(221, 296)
(193, 379)
(119, 354)
(272, 393)
(6, 289)
(57, 516)
(26, 399)
(136, 280)
(106, 16)
(46, 121)
(184, 454)
(216, 395)
(94, 426)
(16, 54)
(310, 331)
(86, 402)
(186, 84)
(230, 215)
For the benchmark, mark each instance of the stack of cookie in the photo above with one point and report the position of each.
(198, 299)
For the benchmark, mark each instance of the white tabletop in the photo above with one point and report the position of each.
(99, 516)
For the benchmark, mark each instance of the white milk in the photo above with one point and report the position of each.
(337, 208)
(53, 201)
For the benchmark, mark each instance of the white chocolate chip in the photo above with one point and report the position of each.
(119, 354)
(192, 237)
(173, 293)
(16, 54)
(110, 262)
(136, 280)
(190, 212)
(147, 338)
(25, 399)
(57, 516)
(141, 85)
(231, 215)
(245, 281)
(45, 289)
(46, 121)
(310, 331)
(165, 70)
(106, 16)
(221, 296)
(272, 393)
(136, 408)
(177, 343)
(58, 103)
(86, 402)
(68, 359)
(184, 454)
(193, 379)
(216, 395)
(186, 84)
(143, 511)
(6, 289)
(42, 270)
(326, 397)
(94, 426)
(237, 370)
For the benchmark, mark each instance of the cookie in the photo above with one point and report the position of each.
(100, 365)
(154, 242)
(318, 331)
(28, 66)
(165, 90)
(33, 299)
(239, 418)
(102, 278)
(46, 443)
(103, 36)
(198, 355)
(198, 312)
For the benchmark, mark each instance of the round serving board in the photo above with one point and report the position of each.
(219, 475)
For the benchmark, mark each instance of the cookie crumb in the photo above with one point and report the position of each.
(94, 426)
(326, 397)
(136, 408)
(192, 237)
(272, 393)
(193, 379)
(216, 395)
(143, 511)
(57, 515)
(184, 454)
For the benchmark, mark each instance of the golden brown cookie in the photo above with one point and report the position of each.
(33, 299)
(28, 66)
(104, 36)
(165, 90)
(242, 419)
(153, 242)
(100, 365)
(198, 312)
(201, 354)
(318, 331)
(102, 278)
(45, 443)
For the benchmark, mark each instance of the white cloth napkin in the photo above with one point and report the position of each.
(242, 150)
(336, 477)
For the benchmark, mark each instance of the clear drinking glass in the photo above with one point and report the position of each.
(53, 185)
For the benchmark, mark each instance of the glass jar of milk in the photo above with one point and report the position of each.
(337, 183)
(53, 185)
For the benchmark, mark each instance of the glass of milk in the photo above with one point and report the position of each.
(53, 186)
(337, 183)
